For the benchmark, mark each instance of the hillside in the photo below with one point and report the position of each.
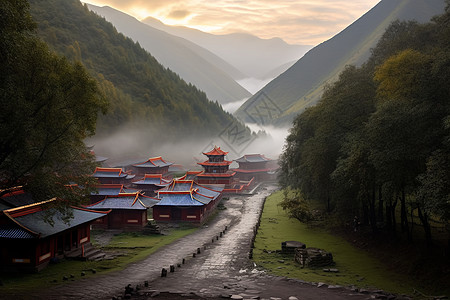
(154, 104)
(302, 84)
(253, 56)
(193, 63)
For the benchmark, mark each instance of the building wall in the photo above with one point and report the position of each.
(35, 254)
(122, 218)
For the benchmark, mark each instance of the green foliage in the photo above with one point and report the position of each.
(379, 136)
(49, 106)
(142, 92)
(296, 206)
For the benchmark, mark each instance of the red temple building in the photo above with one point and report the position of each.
(185, 200)
(128, 210)
(155, 165)
(255, 166)
(150, 183)
(28, 243)
(104, 190)
(112, 176)
(216, 168)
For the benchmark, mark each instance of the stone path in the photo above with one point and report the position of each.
(221, 269)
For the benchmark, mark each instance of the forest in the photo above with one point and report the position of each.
(377, 145)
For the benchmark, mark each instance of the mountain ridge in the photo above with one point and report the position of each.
(302, 84)
(193, 63)
(250, 50)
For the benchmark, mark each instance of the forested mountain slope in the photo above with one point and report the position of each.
(193, 63)
(302, 84)
(142, 93)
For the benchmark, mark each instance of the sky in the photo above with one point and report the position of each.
(301, 22)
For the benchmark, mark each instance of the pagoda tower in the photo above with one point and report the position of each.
(216, 168)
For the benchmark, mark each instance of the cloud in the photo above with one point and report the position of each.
(304, 22)
(179, 14)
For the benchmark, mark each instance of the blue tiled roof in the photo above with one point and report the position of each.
(109, 174)
(148, 201)
(177, 200)
(118, 203)
(152, 180)
(36, 223)
(107, 191)
(10, 232)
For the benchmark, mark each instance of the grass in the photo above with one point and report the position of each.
(131, 246)
(356, 266)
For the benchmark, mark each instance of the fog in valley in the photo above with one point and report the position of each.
(132, 145)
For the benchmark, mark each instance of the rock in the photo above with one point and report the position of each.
(275, 298)
(83, 273)
(334, 286)
(292, 298)
(334, 270)
(155, 294)
(364, 291)
(281, 261)
(236, 297)
(321, 284)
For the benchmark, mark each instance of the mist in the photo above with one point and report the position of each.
(253, 85)
(130, 145)
(231, 107)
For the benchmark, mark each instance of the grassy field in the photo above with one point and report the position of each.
(356, 267)
(129, 247)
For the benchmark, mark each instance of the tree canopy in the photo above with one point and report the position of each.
(377, 143)
(49, 106)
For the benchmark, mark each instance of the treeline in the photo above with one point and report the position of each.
(377, 145)
(141, 92)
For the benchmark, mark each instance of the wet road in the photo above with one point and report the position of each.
(221, 268)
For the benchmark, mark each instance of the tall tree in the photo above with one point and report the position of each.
(49, 106)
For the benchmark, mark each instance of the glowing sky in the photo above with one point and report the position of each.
(306, 22)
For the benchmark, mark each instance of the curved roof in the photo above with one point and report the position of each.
(155, 162)
(29, 221)
(135, 201)
(188, 193)
(253, 158)
(216, 151)
(155, 179)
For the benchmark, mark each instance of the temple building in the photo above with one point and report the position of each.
(128, 211)
(28, 243)
(15, 197)
(155, 165)
(150, 183)
(216, 168)
(104, 190)
(185, 200)
(255, 166)
(112, 176)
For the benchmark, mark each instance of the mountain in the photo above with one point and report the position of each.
(302, 84)
(149, 104)
(193, 63)
(253, 56)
